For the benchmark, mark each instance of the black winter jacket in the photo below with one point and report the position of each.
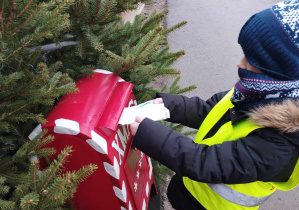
(266, 154)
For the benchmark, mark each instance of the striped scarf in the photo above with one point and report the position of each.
(254, 89)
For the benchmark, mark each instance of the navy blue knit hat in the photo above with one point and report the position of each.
(270, 40)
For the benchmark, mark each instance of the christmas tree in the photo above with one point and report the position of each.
(45, 46)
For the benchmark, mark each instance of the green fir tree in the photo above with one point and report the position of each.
(44, 47)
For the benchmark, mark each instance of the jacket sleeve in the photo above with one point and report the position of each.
(246, 160)
(189, 111)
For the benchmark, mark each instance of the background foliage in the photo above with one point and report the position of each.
(44, 47)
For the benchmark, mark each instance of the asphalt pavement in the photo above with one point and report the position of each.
(212, 53)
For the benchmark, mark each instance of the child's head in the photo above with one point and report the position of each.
(270, 40)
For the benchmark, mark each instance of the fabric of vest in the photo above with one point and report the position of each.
(232, 196)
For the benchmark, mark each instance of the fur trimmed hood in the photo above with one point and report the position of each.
(283, 116)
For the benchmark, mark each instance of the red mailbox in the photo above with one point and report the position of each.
(88, 121)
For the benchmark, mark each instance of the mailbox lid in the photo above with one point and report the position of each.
(98, 104)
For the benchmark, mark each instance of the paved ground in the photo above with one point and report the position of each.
(212, 52)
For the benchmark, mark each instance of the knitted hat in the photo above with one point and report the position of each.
(270, 40)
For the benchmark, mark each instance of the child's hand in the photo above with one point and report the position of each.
(158, 101)
(134, 126)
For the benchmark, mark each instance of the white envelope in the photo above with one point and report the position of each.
(148, 109)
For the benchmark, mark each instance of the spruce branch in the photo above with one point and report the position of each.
(140, 78)
(114, 65)
(167, 71)
(79, 16)
(186, 89)
(3, 191)
(55, 167)
(11, 14)
(34, 56)
(85, 12)
(93, 39)
(84, 172)
(2, 180)
(4, 126)
(26, 44)
(24, 9)
(34, 146)
(16, 130)
(151, 46)
(116, 57)
(44, 152)
(23, 90)
(35, 165)
(4, 81)
(127, 66)
(79, 47)
(12, 32)
(107, 8)
(116, 41)
(175, 27)
(61, 7)
(146, 41)
(165, 56)
(13, 177)
(2, 24)
(29, 201)
(97, 11)
(6, 205)
(61, 20)
(154, 19)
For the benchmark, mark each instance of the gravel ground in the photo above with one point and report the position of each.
(158, 5)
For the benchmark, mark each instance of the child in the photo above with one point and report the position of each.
(247, 145)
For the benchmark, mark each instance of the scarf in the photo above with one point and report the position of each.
(255, 89)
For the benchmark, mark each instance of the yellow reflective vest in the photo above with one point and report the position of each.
(232, 196)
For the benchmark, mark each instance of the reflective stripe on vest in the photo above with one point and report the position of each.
(236, 197)
(222, 196)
